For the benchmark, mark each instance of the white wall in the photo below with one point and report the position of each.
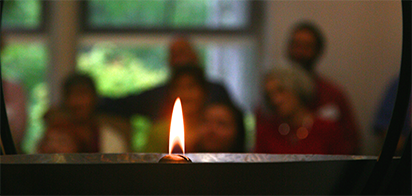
(363, 51)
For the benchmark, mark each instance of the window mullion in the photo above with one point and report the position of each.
(63, 44)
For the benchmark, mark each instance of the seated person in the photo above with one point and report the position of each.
(61, 133)
(222, 129)
(150, 102)
(287, 125)
(188, 83)
(80, 98)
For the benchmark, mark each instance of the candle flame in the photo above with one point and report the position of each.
(177, 133)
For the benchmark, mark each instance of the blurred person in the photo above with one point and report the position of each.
(150, 102)
(305, 47)
(222, 129)
(15, 101)
(287, 125)
(188, 83)
(80, 98)
(384, 115)
(62, 133)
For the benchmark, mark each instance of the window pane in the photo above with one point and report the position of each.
(21, 14)
(120, 14)
(26, 64)
(212, 14)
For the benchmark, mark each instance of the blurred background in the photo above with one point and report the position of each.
(123, 45)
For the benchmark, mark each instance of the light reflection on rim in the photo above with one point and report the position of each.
(96, 158)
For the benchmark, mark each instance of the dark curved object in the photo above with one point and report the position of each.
(400, 183)
(398, 179)
(401, 179)
(399, 113)
(208, 174)
(6, 138)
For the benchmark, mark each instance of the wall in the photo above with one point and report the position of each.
(363, 48)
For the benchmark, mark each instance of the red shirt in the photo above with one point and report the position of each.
(322, 137)
(332, 104)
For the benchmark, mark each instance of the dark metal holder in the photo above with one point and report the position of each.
(134, 173)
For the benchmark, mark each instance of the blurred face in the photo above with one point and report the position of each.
(218, 130)
(303, 48)
(181, 53)
(81, 101)
(191, 94)
(283, 101)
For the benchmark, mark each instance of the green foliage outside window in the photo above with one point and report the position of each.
(121, 71)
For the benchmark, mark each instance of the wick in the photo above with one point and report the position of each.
(177, 149)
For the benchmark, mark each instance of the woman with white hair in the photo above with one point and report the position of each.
(286, 124)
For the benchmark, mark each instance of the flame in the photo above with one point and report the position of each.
(177, 133)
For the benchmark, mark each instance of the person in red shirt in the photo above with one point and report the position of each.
(306, 45)
(287, 125)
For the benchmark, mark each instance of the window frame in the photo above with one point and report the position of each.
(251, 28)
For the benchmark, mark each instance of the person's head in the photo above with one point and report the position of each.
(288, 89)
(189, 83)
(222, 129)
(306, 44)
(79, 95)
(181, 52)
(60, 134)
